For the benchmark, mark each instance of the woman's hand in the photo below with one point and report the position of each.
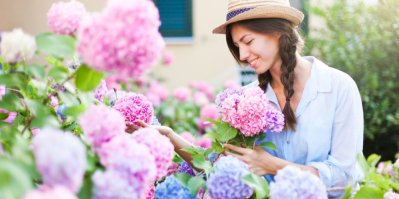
(164, 130)
(258, 160)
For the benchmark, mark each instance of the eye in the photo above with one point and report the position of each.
(250, 41)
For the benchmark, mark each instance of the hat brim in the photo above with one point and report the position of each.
(284, 12)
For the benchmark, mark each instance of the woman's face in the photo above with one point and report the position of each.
(259, 50)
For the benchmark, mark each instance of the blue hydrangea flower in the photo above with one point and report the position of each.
(172, 189)
(186, 168)
(292, 182)
(225, 182)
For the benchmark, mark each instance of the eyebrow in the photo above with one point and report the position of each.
(242, 38)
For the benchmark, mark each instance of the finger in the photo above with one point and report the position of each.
(236, 148)
(142, 123)
(234, 155)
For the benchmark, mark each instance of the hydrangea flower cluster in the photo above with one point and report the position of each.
(156, 93)
(171, 189)
(186, 168)
(64, 17)
(151, 192)
(226, 94)
(123, 38)
(100, 124)
(292, 182)
(246, 112)
(58, 192)
(274, 120)
(135, 107)
(16, 46)
(60, 158)
(160, 147)
(130, 169)
(182, 94)
(225, 181)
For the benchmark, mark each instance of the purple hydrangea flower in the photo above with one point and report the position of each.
(172, 189)
(226, 93)
(274, 120)
(60, 158)
(186, 168)
(225, 181)
(292, 182)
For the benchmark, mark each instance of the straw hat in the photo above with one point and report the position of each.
(239, 10)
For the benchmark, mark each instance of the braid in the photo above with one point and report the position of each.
(288, 48)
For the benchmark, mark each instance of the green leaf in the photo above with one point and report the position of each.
(369, 192)
(373, 159)
(36, 71)
(14, 80)
(362, 162)
(11, 102)
(200, 162)
(259, 184)
(348, 193)
(217, 147)
(191, 150)
(87, 79)
(74, 111)
(59, 73)
(226, 132)
(3, 116)
(14, 181)
(57, 45)
(269, 145)
(183, 178)
(195, 183)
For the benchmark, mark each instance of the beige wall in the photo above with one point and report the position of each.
(205, 58)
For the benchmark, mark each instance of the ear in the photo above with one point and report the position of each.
(276, 35)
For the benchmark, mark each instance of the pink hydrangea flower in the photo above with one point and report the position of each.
(130, 169)
(156, 93)
(35, 131)
(160, 147)
(54, 102)
(135, 107)
(167, 58)
(64, 17)
(11, 116)
(151, 192)
(101, 91)
(200, 99)
(2, 91)
(188, 137)
(246, 112)
(204, 142)
(209, 111)
(112, 82)
(204, 87)
(391, 195)
(173, 168)
(182, 94)
(100, 124)
(123, 39)
(385, 168)
(60, 158)
(45, 192)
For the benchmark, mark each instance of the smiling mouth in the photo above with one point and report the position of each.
(253, 63)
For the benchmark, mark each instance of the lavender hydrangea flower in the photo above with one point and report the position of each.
(274, 120)
(292, 182)
(101, 91)
(226, 93)
(64, 17)
(225, 182)
(186, 168)
(60, 158)
(172, 189)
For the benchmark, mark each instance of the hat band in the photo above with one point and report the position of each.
(236, 12)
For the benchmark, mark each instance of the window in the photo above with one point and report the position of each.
(176, 18)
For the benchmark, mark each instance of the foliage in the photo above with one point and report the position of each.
(361, 40)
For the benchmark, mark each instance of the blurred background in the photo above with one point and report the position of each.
(358, 37)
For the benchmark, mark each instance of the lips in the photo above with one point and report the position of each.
(253, 63)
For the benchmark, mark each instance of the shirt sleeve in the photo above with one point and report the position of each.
(347, 137)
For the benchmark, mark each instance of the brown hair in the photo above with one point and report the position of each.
(290, 41)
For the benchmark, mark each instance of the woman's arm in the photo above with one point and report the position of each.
(261, 162)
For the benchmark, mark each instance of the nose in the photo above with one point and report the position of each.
(243, 53)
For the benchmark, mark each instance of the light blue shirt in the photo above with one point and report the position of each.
(329, 130)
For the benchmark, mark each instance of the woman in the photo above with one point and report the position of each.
(322, 106)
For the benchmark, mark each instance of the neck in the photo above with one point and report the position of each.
(302, 73)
